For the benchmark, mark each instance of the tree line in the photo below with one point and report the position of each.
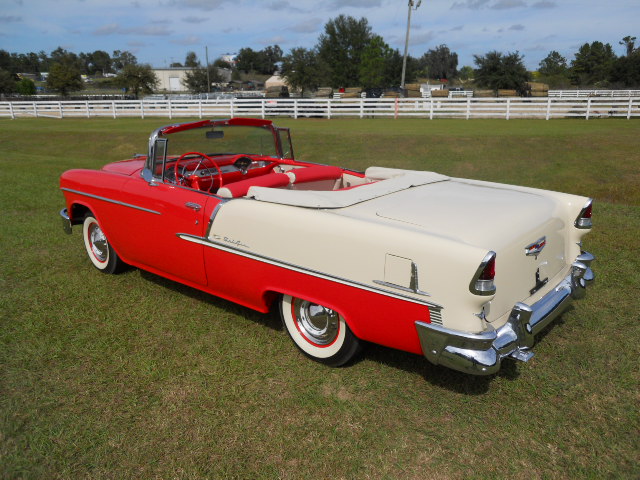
(65, 70)
(347, 53)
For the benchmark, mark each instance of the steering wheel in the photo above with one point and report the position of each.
(192, 180)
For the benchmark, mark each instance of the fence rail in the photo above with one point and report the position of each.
(593, 93)
(507, 108)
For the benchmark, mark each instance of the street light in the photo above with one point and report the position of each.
(406, 41)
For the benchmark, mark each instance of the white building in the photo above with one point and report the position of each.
(170, 79)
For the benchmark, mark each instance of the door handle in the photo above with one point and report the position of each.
(192, 205)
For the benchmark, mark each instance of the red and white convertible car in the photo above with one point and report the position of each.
(463, 272)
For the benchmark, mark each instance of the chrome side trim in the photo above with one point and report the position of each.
(66, 221)
(482, 353)
(105, 199)
(296, 268)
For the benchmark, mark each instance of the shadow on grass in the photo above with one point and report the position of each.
(270, 320)
(437, 375)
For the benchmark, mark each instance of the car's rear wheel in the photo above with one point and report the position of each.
(100, 251)
(319, 332)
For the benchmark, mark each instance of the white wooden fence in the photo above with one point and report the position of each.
(593, 93)
(507, 108)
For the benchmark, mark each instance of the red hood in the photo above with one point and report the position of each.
(126, 167)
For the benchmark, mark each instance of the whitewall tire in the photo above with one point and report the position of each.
(99, 250)
(319, 332)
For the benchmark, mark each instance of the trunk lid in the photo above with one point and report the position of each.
(499, 218)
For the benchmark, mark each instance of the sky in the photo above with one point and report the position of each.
(160, 32)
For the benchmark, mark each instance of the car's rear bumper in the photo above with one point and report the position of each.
(482, 353)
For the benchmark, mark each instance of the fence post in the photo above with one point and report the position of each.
(395, 116)
(86, 103)
(113, 105)
(231, 109)
(200, 108)
(329, 109)
(508, 108)
(35, 109)
(262, 108)
(468, 107)
(60, 109)
(431, 108)
(142, 109)
(548, 108)
(588, 108)
(170, 110)
(13, 115)
(361, 107)
(629, 108)
(295, 108)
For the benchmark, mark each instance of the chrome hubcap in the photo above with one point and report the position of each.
(98, 242)
(318, 324)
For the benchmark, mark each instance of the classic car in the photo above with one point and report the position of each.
(464, 272)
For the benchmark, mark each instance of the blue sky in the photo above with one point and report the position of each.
(163, 31)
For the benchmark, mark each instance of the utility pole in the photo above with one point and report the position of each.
(206, 54)
(406, 41)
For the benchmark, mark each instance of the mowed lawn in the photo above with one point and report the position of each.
(135, 377)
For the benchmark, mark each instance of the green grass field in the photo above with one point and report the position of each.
(135, 377)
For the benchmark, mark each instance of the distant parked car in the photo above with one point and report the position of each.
(464, 272)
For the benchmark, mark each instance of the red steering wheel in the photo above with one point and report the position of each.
(192, 180)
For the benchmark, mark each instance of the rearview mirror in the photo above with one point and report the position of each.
(213, 134)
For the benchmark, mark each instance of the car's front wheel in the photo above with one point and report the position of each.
(319, 332)
(100, 251)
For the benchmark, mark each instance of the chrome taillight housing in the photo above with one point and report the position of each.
(482, 281)
(584, 219)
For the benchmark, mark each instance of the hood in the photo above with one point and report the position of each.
(126, 167)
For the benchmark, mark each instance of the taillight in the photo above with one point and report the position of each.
(584, 219)
(482, 281)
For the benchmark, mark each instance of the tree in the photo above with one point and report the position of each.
(123, 58)
(7, 82)
(272, 56)
(196, 80)
(625, 71)
(373, 62)
(303, 69)
(554, 71)
(341, 47)
(137, 79)
(99, 62)
(629, 42)
(465, 73)
(497, 71)
(592, 64)
(247, 60)
(191, 60)
(440, 62)
(553, 64)
(26, 87)
(263, 61)
(64, 77)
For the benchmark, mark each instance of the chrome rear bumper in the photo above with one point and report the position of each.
(482, 353)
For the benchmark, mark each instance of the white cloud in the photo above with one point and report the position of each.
(507, 4)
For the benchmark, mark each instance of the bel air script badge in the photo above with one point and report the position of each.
(535, 248)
